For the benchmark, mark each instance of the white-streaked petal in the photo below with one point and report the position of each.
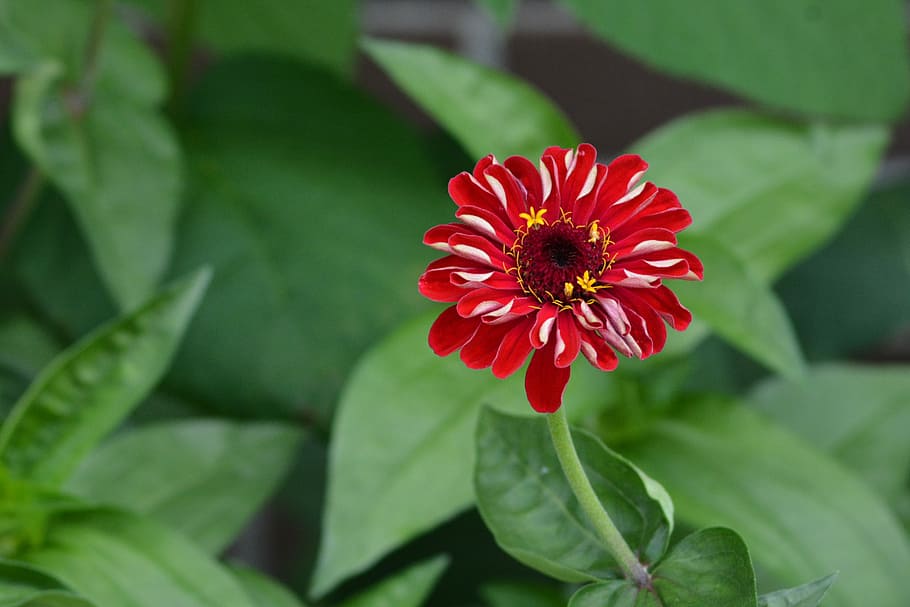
(499, 190)
(663, 263)
(478, 223)
(631, 194)
(470, 252)
(649, 246)
(634, 279)
(473, 276)
(589, 183)
(543, 334)
(546, 180)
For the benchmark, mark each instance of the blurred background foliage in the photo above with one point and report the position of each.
(298, 152)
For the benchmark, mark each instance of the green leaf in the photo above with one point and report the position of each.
(486, 111)
(410, 588)
(118, 165)
(431, 406)
(526, 501)
(24, 586)
(120, 560)
(753, 182)
(515, 594)
(873, 249)
(264, 591)
(204, 478)
(310, 201)
(88, 389)
(859, 415)
(736, 305)
(323, 33)
(807, 595)
(811, 56)
(115, 159)
(710, 568)
(503, 11)
(800, 513)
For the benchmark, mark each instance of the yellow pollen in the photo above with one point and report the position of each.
(594, 232)
(568, 289)
(534, 218)
(586, 282)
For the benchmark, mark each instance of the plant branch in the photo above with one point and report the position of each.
(606, 529)
(19, 208)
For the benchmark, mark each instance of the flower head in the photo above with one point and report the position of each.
(554, 261)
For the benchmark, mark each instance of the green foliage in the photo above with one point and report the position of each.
(119, 560)
(87, 390)
(99, 139)
(771, 190)
(204, 478)
(812, 56)
(859, 415)
(264, 592)
(430, 405)
(406, 589)
(513, 594)
(486, 111)
(807, 595)
(710, 568)
(800, 513)
(527, 503)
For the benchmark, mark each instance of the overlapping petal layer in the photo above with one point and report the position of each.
(556, 260)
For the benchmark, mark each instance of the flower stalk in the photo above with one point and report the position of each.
(632, 569)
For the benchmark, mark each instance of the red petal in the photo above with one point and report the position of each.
(481, 350)
(437, 286)
(581, 176)
(466, 191)
(543, 325)
(622, 174)
(545, 382)
(509, 191)
(598, 352)
(616, 213)
(586, 205)
(450, 331)
(488, 223)
(482, 165)
(483, 301)
(665, 303)
(514, 349)
(525, 171)
(641, 242)
(567, 340)
(479, 249)
(674, 220)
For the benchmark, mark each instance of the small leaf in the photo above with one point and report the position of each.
(710, 568)
(811, 56)
(753, 182)
(736, 305)
(410, 588)
(21, 585)
(522, 594)
(264, 591)
(801, 514)
(204, 478)
(430, 404)
(807, 595)
(526, 501)
(486, 111)
(121, 560)
(859, 415)
(88, 389)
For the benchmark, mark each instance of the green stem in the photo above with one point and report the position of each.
(181, 26)
(19, 208)
(103, 10)
(581, 487)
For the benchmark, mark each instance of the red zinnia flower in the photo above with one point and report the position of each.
(558, 261)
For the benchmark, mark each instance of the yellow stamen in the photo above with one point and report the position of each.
(586, 282)
(534, 217)
(594, 232)
(568, 289)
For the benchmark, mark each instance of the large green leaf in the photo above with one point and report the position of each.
(24, 586)
(515, 594)
(116, 160)
(406, 589)
(486, 111)
(88, 389)
(873, 249)
(430, 405)
(813, 56)
(204, 478)
(736, 305)
(310, 202)
(324, 33)
(710, 568)
(526, 501)
(769, 189)
(263, 591)
(807, 595)
(801, 514)
(859, 415)
(120, 560)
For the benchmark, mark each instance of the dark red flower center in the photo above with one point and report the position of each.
(560, 262)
